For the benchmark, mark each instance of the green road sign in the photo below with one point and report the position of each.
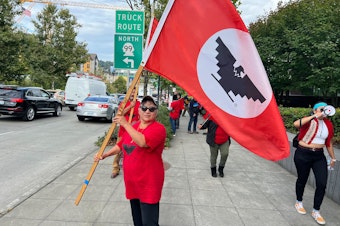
(128, 51)
(129, 22)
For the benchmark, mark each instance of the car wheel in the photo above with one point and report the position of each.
(112, 116)
(81, 118)
(29, 114)
(57, 110)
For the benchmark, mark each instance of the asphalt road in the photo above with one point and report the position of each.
(32, 154)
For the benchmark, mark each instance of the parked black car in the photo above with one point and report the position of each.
(27, 102)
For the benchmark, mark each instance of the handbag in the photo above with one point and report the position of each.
(296, 141)
(296, 138)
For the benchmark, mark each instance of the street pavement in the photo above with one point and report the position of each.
(253, 192)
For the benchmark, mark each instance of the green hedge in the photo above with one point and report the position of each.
(163, 117)
(289, 115)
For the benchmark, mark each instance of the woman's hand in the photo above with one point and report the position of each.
(97, 157)
(120, 120)
(318, 114)
(332, 163)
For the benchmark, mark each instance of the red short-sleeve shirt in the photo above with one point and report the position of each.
(143, 167)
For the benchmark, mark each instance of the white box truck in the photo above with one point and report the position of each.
(80, 86)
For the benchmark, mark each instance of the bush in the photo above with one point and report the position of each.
(112, 140)
(163, 117)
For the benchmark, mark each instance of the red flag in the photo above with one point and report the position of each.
(207, 50)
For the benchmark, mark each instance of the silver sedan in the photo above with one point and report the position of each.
(97, 107)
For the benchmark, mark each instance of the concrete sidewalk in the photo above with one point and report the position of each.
(253, 192)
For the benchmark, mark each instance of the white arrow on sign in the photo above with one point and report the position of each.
(127, 61)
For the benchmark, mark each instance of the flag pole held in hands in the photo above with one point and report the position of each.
(134, 99)
(108, 135)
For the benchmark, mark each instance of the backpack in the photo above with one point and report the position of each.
(195, 108)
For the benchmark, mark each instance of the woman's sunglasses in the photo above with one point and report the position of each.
(151, 109)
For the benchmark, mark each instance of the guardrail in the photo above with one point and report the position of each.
(333, 182)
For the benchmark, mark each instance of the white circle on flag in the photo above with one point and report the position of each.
(232, 75)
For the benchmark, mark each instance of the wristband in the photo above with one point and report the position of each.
(333, 160)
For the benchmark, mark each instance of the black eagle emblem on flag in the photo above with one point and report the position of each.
(231, 78)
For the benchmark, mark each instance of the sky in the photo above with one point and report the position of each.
(98, 23)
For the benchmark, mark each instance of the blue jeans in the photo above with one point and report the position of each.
(173, 125)
(193, 119)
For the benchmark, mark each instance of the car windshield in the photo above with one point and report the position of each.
(97, 99)
(10, 93)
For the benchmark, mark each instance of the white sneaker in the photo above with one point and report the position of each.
(318, 218)
(299, 208)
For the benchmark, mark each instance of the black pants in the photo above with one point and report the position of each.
(305, 160)
(144, 214)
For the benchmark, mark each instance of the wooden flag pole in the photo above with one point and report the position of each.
(109, 134)
(134, 99)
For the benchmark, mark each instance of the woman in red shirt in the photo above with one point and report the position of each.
(142, 145)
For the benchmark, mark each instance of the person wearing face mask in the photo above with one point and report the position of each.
(316, 132)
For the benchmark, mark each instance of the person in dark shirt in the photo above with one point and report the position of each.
(218, 140)
(194, 109)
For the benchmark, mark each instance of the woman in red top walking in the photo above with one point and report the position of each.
(175, 112)
(142, 147)
(218, 140)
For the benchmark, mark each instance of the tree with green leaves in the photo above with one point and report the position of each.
(119, 85)
(299, 46)
(106, 66)
(12, 63)
(57, 48)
